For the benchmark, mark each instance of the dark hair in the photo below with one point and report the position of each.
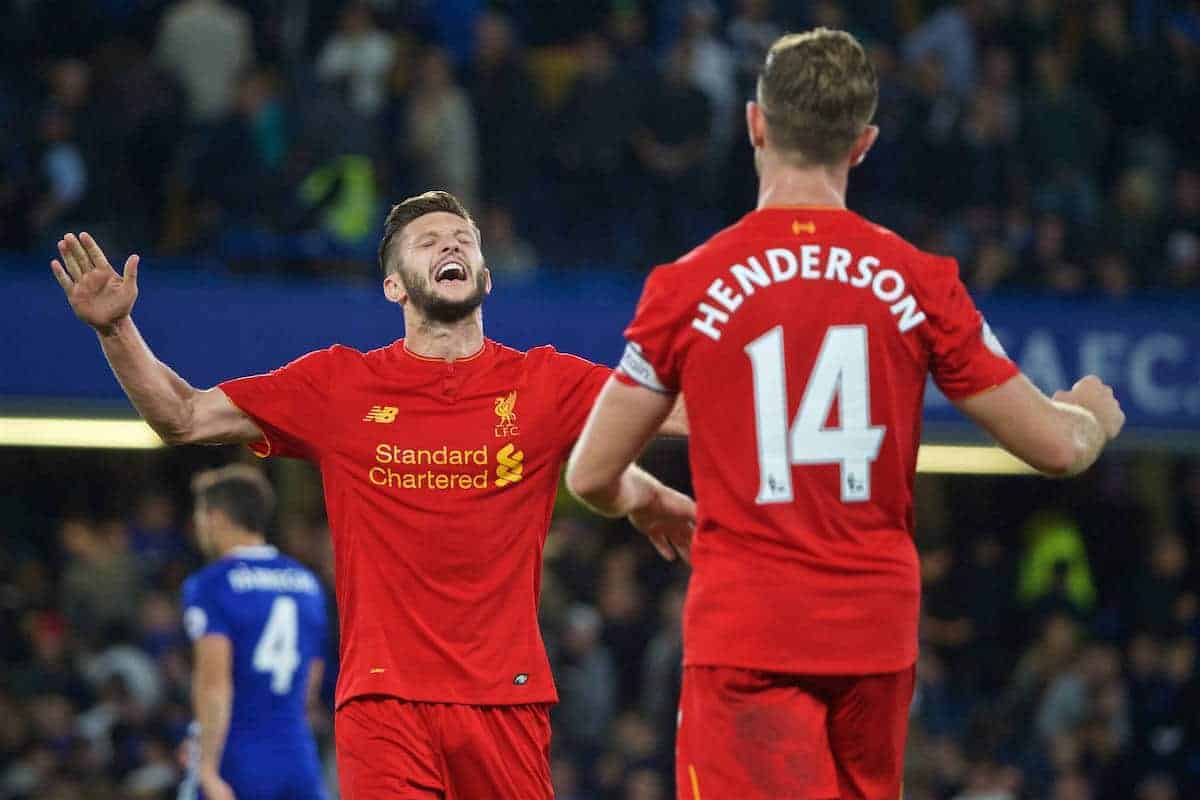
(818, 91)
(418, 206)
(242, 493)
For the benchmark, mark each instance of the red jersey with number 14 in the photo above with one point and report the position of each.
(440, 480)
(801, 339)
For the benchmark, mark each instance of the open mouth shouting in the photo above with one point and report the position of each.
(450, 270)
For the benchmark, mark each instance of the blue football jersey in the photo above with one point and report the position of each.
(272, 610)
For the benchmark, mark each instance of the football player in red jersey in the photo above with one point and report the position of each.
(801, 338)
(440, 456)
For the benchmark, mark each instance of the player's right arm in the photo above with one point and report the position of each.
(177, 411)
(1059, 436)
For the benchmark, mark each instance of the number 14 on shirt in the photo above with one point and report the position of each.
(841, 373)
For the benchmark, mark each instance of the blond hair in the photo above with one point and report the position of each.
(818, 92)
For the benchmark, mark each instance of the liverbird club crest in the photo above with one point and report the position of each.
(506, 411)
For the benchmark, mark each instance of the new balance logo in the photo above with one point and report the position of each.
(383, 414)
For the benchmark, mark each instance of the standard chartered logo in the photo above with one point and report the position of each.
(509, 468)
(445, 468)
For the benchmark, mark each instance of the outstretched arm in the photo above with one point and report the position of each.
(1059, 437)
(602, 474)
(177, 411)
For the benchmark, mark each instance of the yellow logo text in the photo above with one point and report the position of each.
(799, 227)
(509, 468)
(382, 414)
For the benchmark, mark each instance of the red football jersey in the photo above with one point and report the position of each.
(801, 339)
(440, 480)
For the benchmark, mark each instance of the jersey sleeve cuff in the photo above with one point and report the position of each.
(263, 447)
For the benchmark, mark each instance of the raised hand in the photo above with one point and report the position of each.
(1097, 397)
(97, 294)
(668, 522)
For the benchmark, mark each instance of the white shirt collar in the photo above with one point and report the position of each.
(254, 551)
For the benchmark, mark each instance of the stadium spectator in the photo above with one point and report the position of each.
(64, 174)
(102, 583)
(503, 96)
(1163, 596)
(626, 31)
(154, 538)
(946, 629)
(206, 45)
(588, 677)
(949, 38)
(1134, 223)
(255, 138)
(712, 69)
(1062, 140)
(672, 141)
(751, 32)
(1073, 694)
(358, 58)
(1181, 233)
(442, 130)
(1112, 274)
(1054, 575)
(509, 256)
(662, 667)
(1045, 260)
(591, 150)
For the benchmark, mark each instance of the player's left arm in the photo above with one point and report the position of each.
(601, 471)
(212, 702)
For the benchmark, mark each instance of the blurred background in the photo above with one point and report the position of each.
(249, 149)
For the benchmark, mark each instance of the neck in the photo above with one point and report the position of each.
(232, 540)
(784, 184)
(447, 341)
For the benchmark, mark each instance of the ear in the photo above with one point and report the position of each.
(865, 141)
(487, 275)
(393, 289)
(756, 124)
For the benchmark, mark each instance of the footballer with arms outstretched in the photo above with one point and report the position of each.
(801, 338)
(440, 456)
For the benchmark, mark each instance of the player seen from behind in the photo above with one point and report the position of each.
(258, 623)
(801, 338)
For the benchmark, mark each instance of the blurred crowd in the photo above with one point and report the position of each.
(1046, 144)
(1059, 634)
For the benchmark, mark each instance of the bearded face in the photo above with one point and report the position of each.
(440, 306)
(441, 267)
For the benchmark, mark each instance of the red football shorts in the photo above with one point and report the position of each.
(390, 748)
(746, 734)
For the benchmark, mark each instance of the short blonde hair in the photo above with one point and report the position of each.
(818, 91)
